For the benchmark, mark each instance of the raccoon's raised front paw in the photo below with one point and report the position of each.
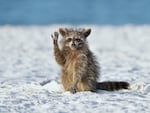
(55, 37)
(73, 90)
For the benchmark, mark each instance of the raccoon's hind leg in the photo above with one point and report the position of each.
(88, 85)
(66, 81)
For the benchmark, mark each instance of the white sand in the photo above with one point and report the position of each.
(26, 60)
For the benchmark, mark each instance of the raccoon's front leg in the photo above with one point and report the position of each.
(55, 38)
(60, 59)
(80, 69)
(74, 85)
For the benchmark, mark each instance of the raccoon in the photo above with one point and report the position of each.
(80, 70)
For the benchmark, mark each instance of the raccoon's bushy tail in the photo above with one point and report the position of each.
(112, 85)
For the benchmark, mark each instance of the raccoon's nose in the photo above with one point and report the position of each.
(73, 45)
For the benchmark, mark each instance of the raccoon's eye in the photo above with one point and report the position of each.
(78, 40)
(69, 39)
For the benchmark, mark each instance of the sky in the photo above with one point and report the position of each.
(97, 12)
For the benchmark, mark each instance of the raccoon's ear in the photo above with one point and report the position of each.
(86, 32)
(63, 31)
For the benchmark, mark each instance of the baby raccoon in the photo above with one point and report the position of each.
(79, 68)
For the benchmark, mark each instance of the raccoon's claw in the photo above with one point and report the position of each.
(52, 36)
(55, 36)
(73, 90)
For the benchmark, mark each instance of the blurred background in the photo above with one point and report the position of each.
(75, 12)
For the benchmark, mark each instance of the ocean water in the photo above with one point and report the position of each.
(98, 12)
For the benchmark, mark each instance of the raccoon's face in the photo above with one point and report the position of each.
(74, 39)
